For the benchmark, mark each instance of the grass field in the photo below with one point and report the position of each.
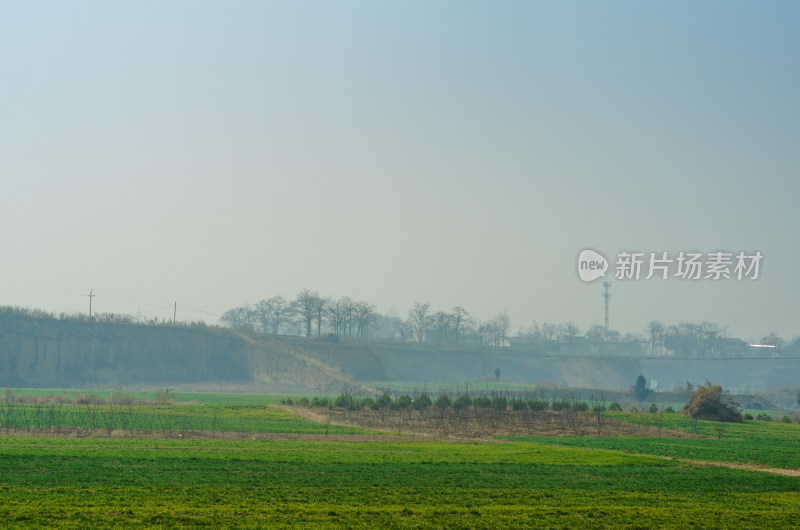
(765, 443)
(60, 482)
(558, 482)
(212, 413)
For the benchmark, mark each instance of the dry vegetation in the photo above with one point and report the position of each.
(479, 418)
(710, 402)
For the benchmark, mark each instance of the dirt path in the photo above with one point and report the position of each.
(787, 472)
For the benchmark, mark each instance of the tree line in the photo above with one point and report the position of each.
(311, 314)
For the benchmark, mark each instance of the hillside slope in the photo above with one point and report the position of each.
(42, 352)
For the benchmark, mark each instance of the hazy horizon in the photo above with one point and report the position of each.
(454, 153)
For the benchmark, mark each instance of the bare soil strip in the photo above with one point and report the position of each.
(480, 424)
(788, 472)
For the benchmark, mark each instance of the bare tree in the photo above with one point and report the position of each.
(261, 315)
(365, 314)
(460, 318)
(337, 314)
(595, 336)
(238, 318)
(441, 324)
(502, 324)
(305, 306)
(280, 311)
(418, 318)
(349, 313)
(320, 306)
(656, 331)
(570, 332)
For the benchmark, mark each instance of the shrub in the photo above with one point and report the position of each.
(442, 402)
(786, 419)
(499, 403)
(320, 402)
(303, 401)
(747, 416)
(121, 397)
(162, 397)
(423, 402)
(538, 405)
(87, 399)
(345, 401)
(384, 401)
(710, 402)
(462, 403)
(482, 402)
(403, 402)
(580, 406)
(599, 409)
(653, 408)
(615, 407)
(561, 405)
(367, 402)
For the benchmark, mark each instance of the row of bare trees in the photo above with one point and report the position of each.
(310, 313)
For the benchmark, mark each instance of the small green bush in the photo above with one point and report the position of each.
(403, 402)
(499, 403)
(423, 402)
(462, 403)
(517, 404)
(561, 405)
(482, 402)
(615, 407)
(384, 401)
(538, 405)
(345, 401)
(320, 402)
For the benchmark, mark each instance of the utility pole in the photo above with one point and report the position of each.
(174, 313)
(606, 298)
(91, 295)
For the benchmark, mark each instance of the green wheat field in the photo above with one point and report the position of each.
(59, 477)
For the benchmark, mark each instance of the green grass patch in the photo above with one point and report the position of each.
(757, 442)
(60, 482)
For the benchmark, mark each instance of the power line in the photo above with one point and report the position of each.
(197, 310)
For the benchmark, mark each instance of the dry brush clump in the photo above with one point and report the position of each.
(711, 402)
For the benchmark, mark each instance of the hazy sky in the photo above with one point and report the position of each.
(451, 152)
